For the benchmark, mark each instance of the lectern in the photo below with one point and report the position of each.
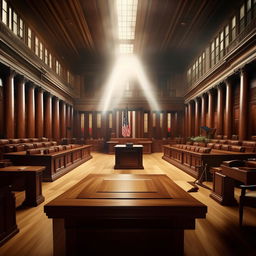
(123, 214)
(128, 157)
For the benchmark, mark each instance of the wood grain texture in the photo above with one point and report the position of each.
(217, 235)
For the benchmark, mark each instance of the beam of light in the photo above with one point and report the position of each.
(125, 68)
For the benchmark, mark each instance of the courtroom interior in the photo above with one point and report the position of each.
(127, 127)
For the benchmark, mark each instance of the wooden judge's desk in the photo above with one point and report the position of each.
(145, 142)
(123, 214)
(128, 157)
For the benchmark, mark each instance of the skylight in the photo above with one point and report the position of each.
(126, 15)
(126, 48)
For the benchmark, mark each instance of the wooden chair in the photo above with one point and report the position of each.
(247, 198)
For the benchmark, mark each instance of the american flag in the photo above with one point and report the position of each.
(126, 131)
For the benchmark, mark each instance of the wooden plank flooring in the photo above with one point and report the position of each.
(218, 234)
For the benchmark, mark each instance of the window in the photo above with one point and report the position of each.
(254, 8)
(242, 18)
(50, 60)
(110, 121)
(193, 72)
(249, 11)
(10, 18)
(145, 122)
(204, 64)
(212, 54)
(45, 56)
(217, 49)
(90, 124)
(196, 70)
(4, 12)
(29, 38)
(15, 23)
(161, 119)
(226, 36)
(154, 119)
(98, 120)
(189, 76)
(221, 44)
(126, 17)
(200, 66)
(57, 67)
(36, 46)
(233, 28)
(169, 122)
(41, 51)
(21, 29)
(82, 124)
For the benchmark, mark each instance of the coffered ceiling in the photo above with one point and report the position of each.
(84, 32)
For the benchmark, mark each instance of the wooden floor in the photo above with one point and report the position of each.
(218, 234)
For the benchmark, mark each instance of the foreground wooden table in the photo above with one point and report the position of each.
(28, 178)
(123, 214)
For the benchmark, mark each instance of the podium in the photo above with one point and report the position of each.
(123, 214)
(128, 157)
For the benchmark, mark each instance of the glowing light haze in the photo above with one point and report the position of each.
(125, 68)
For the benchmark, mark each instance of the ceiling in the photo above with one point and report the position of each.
(168, 32)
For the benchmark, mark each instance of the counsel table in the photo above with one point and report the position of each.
(123, 214)
(28, 178)
(129, 157)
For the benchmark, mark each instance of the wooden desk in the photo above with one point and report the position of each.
(123, 214)
(28, 178)
(8, 226)
(224, 182)
(188, 160)
(128, 157)
(57, 164)
(145, 142)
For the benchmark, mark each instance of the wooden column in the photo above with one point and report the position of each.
(31, 111)
(21, 125)
(9, 103)
(68, 120)
(186, 121)
(164, 128)
(203, 110)
(39, 113)
(243, 108)
(75, 128)
(63, 126)
(175, 126)
(56, 119)
(220, 110)
(228, 110)
(48, 116)
(189, 119)
(210, 109)
(197, 117)
(71, 121)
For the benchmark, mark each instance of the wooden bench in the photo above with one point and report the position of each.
(57, 163)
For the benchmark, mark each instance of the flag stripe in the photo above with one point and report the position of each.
(126, 132)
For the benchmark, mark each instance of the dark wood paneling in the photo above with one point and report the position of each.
(1, 113)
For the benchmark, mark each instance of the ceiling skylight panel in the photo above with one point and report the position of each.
(126, 15)
(126, 48)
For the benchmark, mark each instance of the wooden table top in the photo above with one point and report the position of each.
(58, 153)
(22, 169)
(125, 146)
(126, 195)
(215, 152)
